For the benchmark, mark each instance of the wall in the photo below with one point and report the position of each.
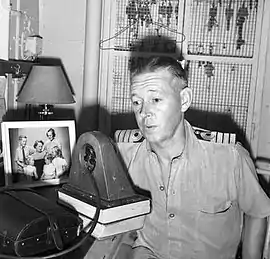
(62, 26)
(264, 128)
(71, 33)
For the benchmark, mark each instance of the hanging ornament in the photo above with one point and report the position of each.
(209, 69)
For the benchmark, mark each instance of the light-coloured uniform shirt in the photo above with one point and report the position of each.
(199, 214)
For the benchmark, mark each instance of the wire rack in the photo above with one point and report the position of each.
(137, 19)
(225, 91)
(222, 28)
(121, 85)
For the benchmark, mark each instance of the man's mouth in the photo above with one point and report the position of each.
(150, 126)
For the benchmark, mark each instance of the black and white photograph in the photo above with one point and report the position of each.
(37, 153)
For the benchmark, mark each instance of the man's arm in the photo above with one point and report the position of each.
(254, 237)
(17, 158)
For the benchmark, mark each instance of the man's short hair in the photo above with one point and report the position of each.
(154, 63)
(22, 137)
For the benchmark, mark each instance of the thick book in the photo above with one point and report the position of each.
(126, 210)
(106, 230)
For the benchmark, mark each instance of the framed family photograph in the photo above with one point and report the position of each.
(37, 153)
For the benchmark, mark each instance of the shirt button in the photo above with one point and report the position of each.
(171, 215)
(161, 188)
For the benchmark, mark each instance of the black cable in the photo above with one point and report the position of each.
(67, 250)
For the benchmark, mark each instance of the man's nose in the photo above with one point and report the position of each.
(146, 110)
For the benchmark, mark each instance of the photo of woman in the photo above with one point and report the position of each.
(38, 157)
(51, 141)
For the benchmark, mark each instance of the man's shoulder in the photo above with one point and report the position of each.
(223, 151)
(228, 156)
(221, 147)
(129, 150)
(129, 147)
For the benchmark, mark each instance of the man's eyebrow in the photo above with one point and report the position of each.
(149, 90)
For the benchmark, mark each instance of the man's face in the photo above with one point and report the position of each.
(157, 105)
(23, 142)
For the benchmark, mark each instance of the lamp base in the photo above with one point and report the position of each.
(45, 111)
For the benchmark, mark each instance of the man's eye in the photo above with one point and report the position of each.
(156, 100)
(136, 102)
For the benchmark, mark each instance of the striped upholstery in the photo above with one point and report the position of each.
(135, 135)
(128, 135)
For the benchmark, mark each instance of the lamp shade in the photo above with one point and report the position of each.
(45, 85)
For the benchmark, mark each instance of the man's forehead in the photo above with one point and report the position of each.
(155, 81)
(161, 74)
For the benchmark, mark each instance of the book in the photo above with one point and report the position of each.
(106, 230)
(107, 214)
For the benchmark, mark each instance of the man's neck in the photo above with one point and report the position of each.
(172, 148)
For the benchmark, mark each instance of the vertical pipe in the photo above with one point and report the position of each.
(17, 30)
(91, 64)
(17, 48)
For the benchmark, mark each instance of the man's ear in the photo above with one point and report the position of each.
(186, 98)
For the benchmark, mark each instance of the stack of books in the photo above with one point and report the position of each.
(113, 219)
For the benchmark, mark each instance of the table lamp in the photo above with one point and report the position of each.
(46, 85)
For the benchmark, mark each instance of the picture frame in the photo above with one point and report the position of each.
(37, 153)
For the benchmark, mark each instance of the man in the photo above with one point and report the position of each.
(21, 159)
(200, 190)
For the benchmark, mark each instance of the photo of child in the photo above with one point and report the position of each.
(30, 170)
(59, 161)
(49, 170)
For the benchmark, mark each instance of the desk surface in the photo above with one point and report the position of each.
(91, 248)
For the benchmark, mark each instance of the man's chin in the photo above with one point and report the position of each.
(151, 137)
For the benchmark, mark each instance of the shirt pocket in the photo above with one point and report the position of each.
(219, 224)
(219, 208)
